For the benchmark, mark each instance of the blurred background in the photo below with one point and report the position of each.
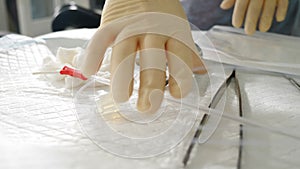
(36, 17)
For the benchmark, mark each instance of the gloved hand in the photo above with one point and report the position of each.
(254, 11)
(158, 29)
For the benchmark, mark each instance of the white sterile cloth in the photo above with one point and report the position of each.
(39, 120)
(40, 126)
(37, 114)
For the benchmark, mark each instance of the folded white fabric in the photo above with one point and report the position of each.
(71, 57)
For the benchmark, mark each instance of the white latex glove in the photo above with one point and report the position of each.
(158, 29)
(256, 12)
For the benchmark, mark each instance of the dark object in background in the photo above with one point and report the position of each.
(11, 6)
(97, 4)
(12, 14)
(74, 16)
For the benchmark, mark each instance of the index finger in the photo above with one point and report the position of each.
(239, 12)
(95, 51)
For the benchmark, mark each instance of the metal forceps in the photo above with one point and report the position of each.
(206, 118)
